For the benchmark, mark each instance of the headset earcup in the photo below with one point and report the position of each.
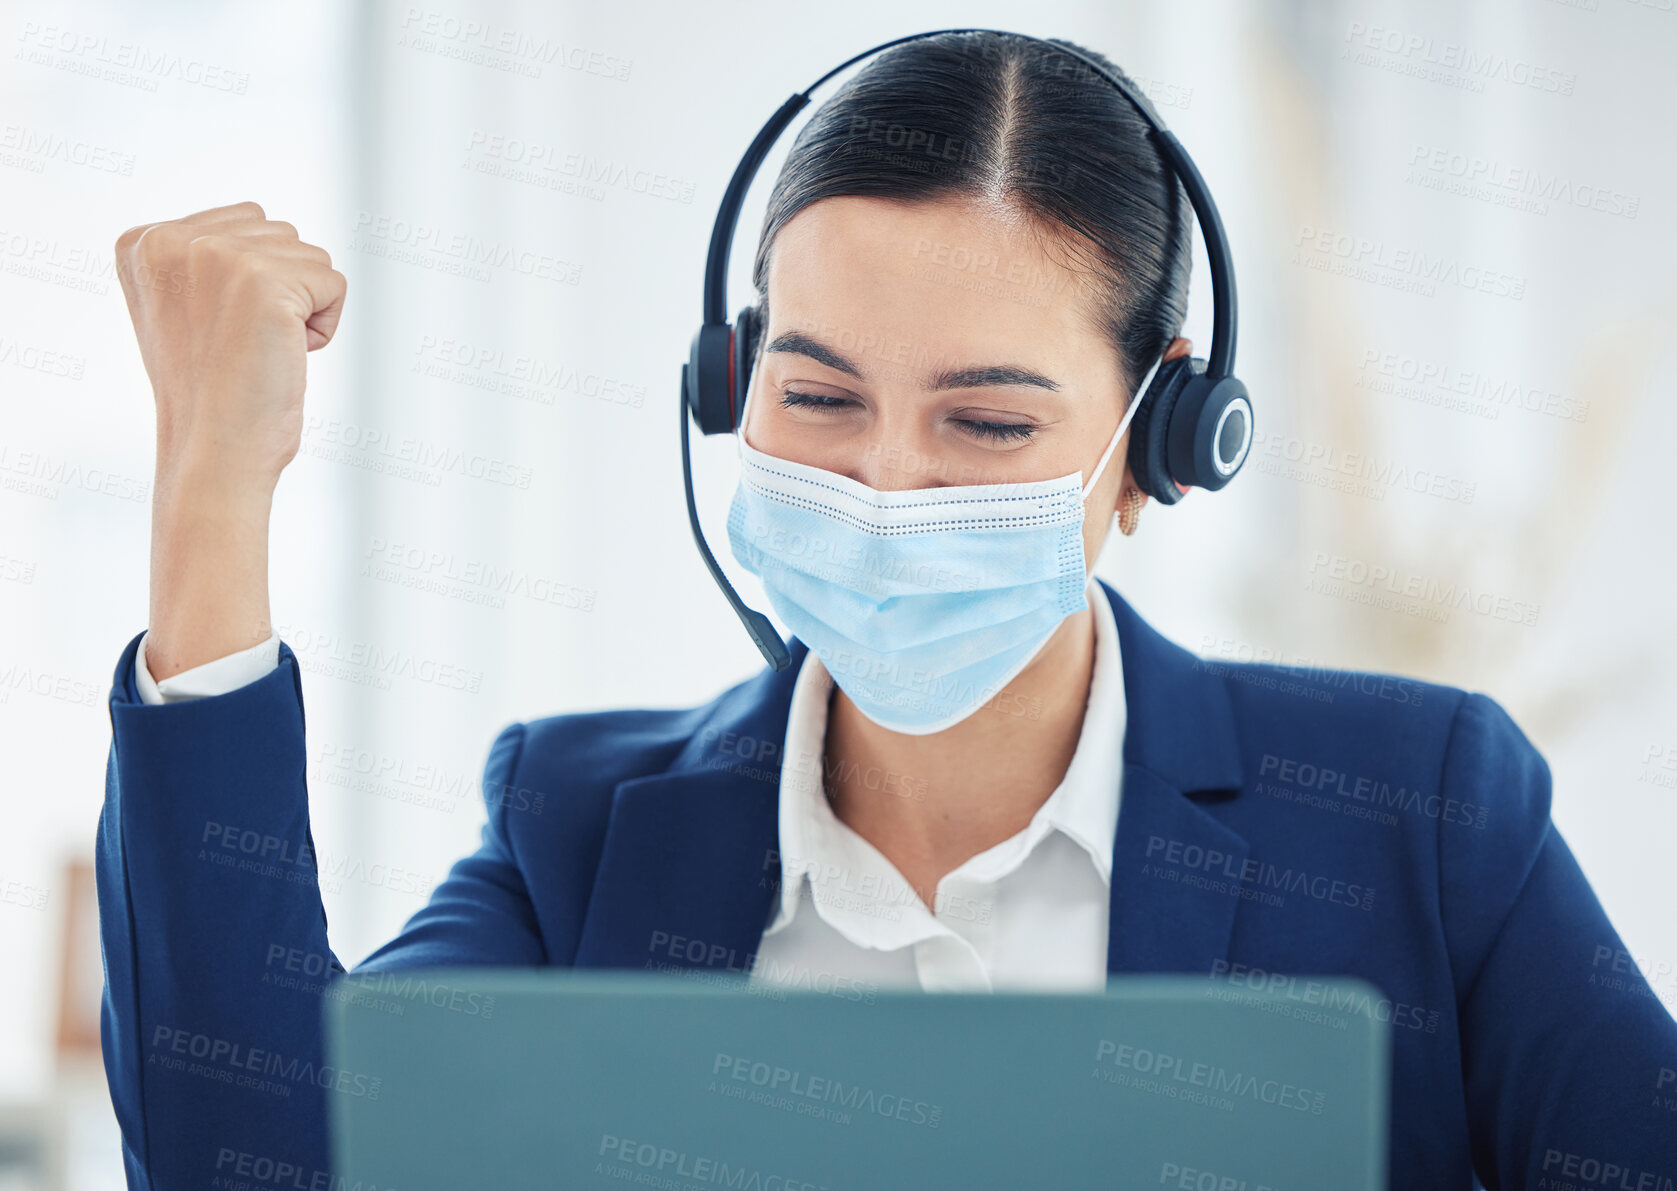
(1149, 449)
(1210, 431)
(706, 377)
(747, 330)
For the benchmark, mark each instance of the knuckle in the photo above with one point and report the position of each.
(249, 264)
(206, 245)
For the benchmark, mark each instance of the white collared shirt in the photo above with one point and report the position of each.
(1029, 913)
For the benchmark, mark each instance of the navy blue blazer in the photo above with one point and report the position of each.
(1273, 822)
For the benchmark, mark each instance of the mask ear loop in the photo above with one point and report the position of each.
(1135, 404)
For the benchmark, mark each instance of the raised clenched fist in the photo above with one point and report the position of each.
(226, 304)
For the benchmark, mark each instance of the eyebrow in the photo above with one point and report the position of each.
(962, 378)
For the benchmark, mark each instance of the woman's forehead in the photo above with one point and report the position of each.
(919, 288)
(984, 238)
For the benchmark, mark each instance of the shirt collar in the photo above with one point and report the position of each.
(853, 885)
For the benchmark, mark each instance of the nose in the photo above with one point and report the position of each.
(897, 462)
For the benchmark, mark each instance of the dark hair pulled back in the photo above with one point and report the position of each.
(999, 116)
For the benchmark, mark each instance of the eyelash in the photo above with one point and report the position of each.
(1004, 431)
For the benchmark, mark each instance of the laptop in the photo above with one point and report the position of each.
(559, 1078)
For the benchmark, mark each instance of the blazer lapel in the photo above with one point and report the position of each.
(1175, 868)
(690, 863)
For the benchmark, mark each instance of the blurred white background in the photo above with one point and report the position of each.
(1460, 270)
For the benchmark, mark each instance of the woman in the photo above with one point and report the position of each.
(1116, 806)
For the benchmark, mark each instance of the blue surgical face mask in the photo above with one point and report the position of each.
(924, 603)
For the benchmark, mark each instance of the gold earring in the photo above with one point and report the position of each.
(1130, 511)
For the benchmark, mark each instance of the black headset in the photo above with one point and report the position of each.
(1194, 423)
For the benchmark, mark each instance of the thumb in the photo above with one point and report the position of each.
(326, 294)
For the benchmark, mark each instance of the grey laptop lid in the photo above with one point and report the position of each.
(555, 1078)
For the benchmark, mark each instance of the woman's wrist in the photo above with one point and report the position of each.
(209, 567)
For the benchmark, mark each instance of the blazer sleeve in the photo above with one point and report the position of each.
(214, 938)
(1569, 1055)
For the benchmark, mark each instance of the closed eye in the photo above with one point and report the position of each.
(789, 399)
(1001, 431)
